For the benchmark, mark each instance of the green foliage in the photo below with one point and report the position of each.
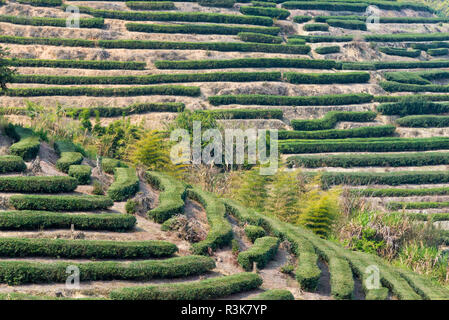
(68, 159)
(263, 250)
(131, 206)
(21, 272)
(6, 72)
(78, 64)
(171, 196)
(395, 192)
(399, 205)
(424, 121)
(328, 6)
(316, 27)
(327, 49)
(251, 190)
(301, 19)
(88, 249)
(37, 184)
(322, 38)
(108, 165)
(327, 78)
(11, 164)
(274, 294)
(36, 220)
(254, 232)
(347, 24)
(42, 3)
(259, 37)
(263, 4)
(412, 105)
(400, 52)
(361, 132)
(272, 100)
(331, 118)
(196, 290)
(217, 3)
(60, 203)
(27, 142)
(52, 22)
(413, 37)
(81, 173)
(244, 113)
(150, 5)
(199, 28)
(125, 185)
(276, 13)
(391, 86)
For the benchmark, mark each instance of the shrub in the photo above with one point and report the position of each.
(53, 22)
(217, 3)
(274, 294)
(259, 37)
(398, 205)
(244, 113)
(438, 52)
(11, 164)
(48, 41)
(150, 5)
(104, 92)
(394, 192)
(322, 38)
(21, 272)
(108, 165)
(37, 184)
(213, 46)
(406, 77)
(171, 196)
(361, 132)
(60, 203)
(328, 6)
(331, 118)
(371, 160)
(98, 249)
(347, 24)
(196, 290)
(81, 173)
(327, 78)
(27, 145)
(220, 232)
(199, 28)
(327, 50)
(36, 220)
(383, 144)
(263, 250)
(78, 64)
(276, 13)
(254, 232)
(68, 159)
(316, 27)
(384, 19)
(272, 100)
(401, 37)
(263, 4)
(424, 121)
(135, 108)
(247, 63)
(392, 86)
(42, 3)
(125, 185)
(131, 206)
(301, 19)
(412, 106)
(400, 52)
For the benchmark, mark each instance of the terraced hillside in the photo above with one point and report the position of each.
(363, 102)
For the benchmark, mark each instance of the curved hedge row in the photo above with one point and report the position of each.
(38, 184)
(199, 28)
(151, 79)
(27, 142)
(150, 5)
(77, 64)
(400, 52)
(108, 165)
(394, 192)
(386, 178)
(424, 121)
(52, 22)
(371, 160)
(327, 49)
(37, 220)
(331, 118)
(178, 16)
(195, 290)
(275, 13)
(259, 37)
(362, 132)
(272, 100)
(327, 78)
(11, 164)
(263, 250)
(125, 185)
(171, 196)
(274, 294)
(20, 272)
(104, 92)
(347, 24)
(60, 203)
(81, 173)
(247, 63)
(88, 249)
(220, 232)
(254, 232)
(382, 144)
(68, 159)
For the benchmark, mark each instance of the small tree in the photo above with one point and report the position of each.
(6, 72)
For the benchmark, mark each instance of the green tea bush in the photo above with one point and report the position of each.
(276, 13)
(37, 184)
(401, 37)
(316, 27)
(171, 196)
(125, 185)
(438, 52)
(196, 290)
(394, 192)
(301, 19)
(400, 52)
(263, 4)
(244, 113)
(11, 164)
(48, 41)
(392, 86)
(322, 38)
(81, 173)
(199, 28)
(272, 100)
(78, 64)
(220, 232)
(328, 6)
(398, 205)
(217, 3)
(347, 24)
(263, 250)
(254, 232)
(411, 106)
(68, 159)
(27, 142)
(60, 203)
(274, 294)
(150, 5)
(361, 132)
(327, 49)
(21, 272)
(108, 165)
(52, 22)
(327, 78)
(424, 121)
(331, 118)
(37, 220)
(42, 3)
(88, 249)
(259, 37)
